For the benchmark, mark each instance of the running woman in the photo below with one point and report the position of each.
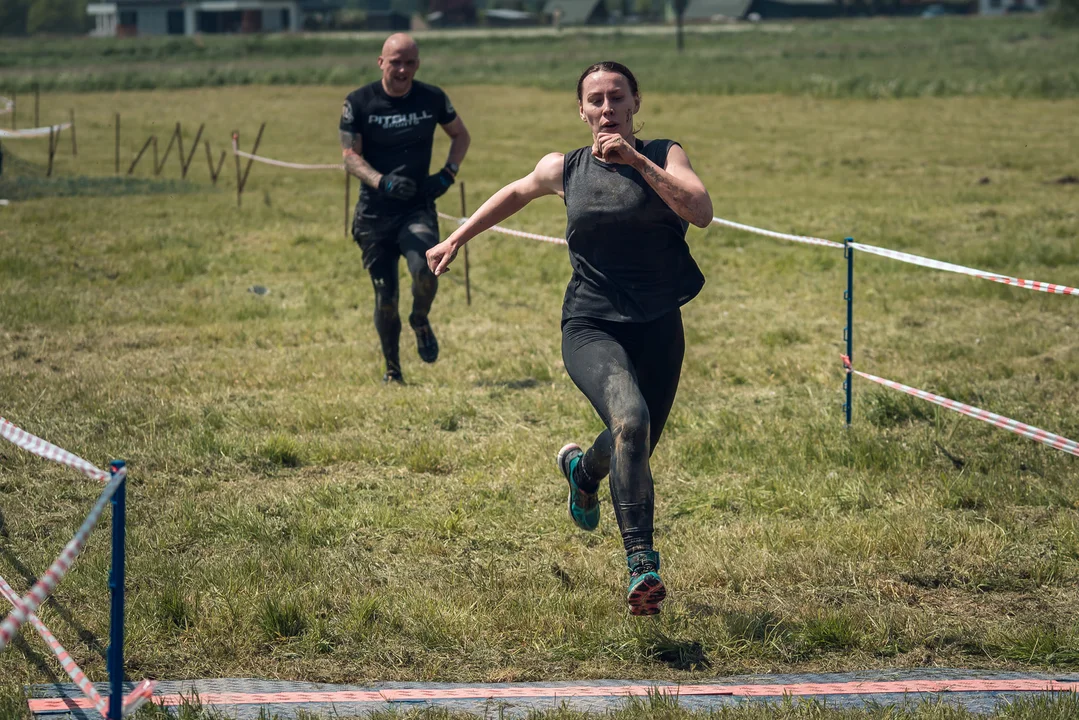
(628, 205)
(387, 133)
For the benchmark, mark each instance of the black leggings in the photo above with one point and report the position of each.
(387, 319)
(383, 239)
(629, 372)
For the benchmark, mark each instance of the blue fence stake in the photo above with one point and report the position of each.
(848, 331)
(115, 660)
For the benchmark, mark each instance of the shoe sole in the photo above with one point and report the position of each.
(646, 596)
(433, 354)
(566, 450)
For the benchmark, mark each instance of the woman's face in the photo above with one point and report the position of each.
(607, 103)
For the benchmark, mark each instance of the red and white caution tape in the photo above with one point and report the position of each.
(6, 105)
(508, 231)
(778, 235)
(137, 697)
(26, 608)
(951, 267)
(281, 163)
(66, 661)
(47, 450)
(32, 132)
(45, 586)
(1042, 436)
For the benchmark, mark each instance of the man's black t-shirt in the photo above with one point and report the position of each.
(396, 132)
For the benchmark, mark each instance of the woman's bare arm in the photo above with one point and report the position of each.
(545, 179)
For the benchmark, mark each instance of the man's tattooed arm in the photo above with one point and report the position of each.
(352, 152)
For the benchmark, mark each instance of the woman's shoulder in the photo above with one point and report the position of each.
(656, 150)
(574, 158)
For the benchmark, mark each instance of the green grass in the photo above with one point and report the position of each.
(869, 58)
(292, 517)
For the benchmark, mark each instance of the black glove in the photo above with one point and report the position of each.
(397, 186)
(436, 185)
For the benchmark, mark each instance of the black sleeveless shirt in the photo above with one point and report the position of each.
(627, 247)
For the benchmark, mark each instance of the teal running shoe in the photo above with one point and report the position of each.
(646, 590)
(583, 506)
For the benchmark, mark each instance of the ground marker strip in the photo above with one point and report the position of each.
(480, 692)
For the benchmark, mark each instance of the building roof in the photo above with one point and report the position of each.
(707, 9)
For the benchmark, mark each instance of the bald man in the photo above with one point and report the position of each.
(387, 134)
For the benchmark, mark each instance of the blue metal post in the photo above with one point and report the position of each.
(848, 331)
(115, 661)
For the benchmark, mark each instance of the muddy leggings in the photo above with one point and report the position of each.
(387, 320)
(384, 239)
(629, 372)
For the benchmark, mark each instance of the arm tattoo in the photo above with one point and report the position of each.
(351, 148)
(680, 199)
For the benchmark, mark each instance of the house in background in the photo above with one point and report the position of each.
(127, 18)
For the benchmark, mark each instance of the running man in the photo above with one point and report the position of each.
(628, 205)
(387, 134)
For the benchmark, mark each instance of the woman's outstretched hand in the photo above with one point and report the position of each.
(440, 256)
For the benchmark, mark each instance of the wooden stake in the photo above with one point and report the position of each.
(152, 139)
(468, 282)
(37, 106)
(117, 143)
(74, 147)
(53, 139)
(241, 182)
(348, 181)
(239, 179)
(14, 107)
(210, 161)
(168, 148)
(185, 164)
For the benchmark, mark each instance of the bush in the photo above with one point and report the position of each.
(1066, 13)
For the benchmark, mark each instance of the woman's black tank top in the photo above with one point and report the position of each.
(627, 247)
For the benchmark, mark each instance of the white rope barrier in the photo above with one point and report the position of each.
(281, 163)
(778, 235)
(33, 132)
(507, 231)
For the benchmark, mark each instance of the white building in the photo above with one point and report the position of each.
(127, 18)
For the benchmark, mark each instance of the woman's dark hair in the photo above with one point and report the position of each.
(607, 66)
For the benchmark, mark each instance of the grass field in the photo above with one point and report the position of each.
(292, 517)
(876, 58)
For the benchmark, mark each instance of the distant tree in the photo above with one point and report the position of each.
(1065, 12)
(56, 16)
(13, 16)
